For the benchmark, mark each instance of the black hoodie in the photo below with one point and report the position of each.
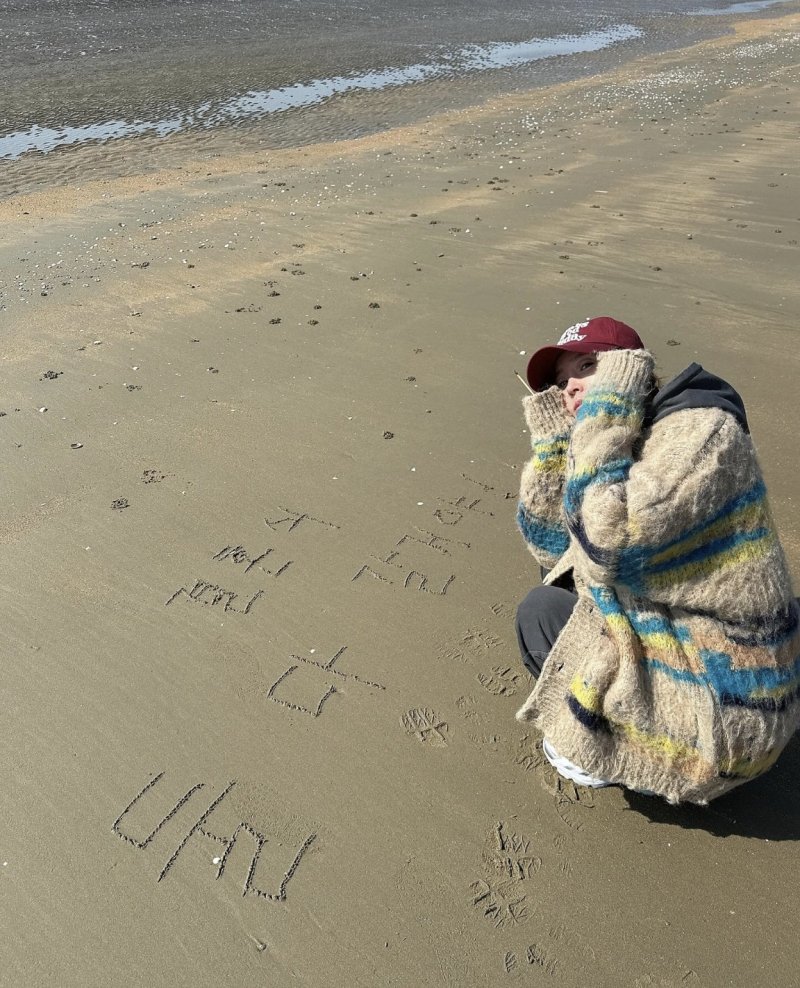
(695, 388)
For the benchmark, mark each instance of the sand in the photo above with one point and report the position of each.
(261, 445)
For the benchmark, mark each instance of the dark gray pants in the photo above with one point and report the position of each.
(540, 619)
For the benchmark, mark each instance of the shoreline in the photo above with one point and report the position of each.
(262, 451)
(103, 75)
(83, 160)
(174, 150)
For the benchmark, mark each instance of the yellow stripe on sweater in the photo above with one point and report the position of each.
(618, 623)
(745, 768)
(588, 696)
(750, 552)
(610, 398)
(550, 464)
(747, 518)
(559, 444)
(661, 642)
(777, 691)
(661, 743)
(671, 651)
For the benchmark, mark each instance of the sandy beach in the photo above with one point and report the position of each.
(262, 441)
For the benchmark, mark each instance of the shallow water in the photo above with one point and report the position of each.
(747, 7)
(255, 104)
(279, 73)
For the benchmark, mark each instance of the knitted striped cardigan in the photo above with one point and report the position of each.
(678, 671)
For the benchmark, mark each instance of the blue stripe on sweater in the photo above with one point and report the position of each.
(770, 631)
(634, 562)
(543, 535)
(748, 497)
(589, 719)
(603, 557)
(655, 625)
(609, 403)
(606, 600)
(550, 449)
(614, 472)
(735, 685)
(766, 704)
(712, 548)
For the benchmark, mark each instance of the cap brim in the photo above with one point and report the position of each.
(542, 365)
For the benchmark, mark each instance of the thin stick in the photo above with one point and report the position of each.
(524, 382)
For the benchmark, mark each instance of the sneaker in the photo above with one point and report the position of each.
(568, 770)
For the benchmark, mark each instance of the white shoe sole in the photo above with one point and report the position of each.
(568, 770)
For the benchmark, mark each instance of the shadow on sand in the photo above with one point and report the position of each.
(767, 808)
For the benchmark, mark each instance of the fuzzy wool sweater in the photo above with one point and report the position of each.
(678, 671)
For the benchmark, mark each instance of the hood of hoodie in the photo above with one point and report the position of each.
(695, 387)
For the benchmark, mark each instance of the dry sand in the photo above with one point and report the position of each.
(261, 443)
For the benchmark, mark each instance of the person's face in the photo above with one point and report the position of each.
(572, 373)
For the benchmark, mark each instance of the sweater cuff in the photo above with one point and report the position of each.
(546, 414)
(628, 372)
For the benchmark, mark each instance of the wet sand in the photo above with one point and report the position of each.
(268, 71)
(262, 441)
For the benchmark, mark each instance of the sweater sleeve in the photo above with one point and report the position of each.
(687, 523)
(600, 456)
(540, 514)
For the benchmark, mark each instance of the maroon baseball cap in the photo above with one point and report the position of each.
(600, 333)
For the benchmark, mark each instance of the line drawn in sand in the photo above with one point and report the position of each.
(212, 595)
(237, 554)
(413, 577)
(199, 828)
(295, 518)
(330, 688)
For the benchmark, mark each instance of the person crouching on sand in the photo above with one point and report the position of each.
(665, 637)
